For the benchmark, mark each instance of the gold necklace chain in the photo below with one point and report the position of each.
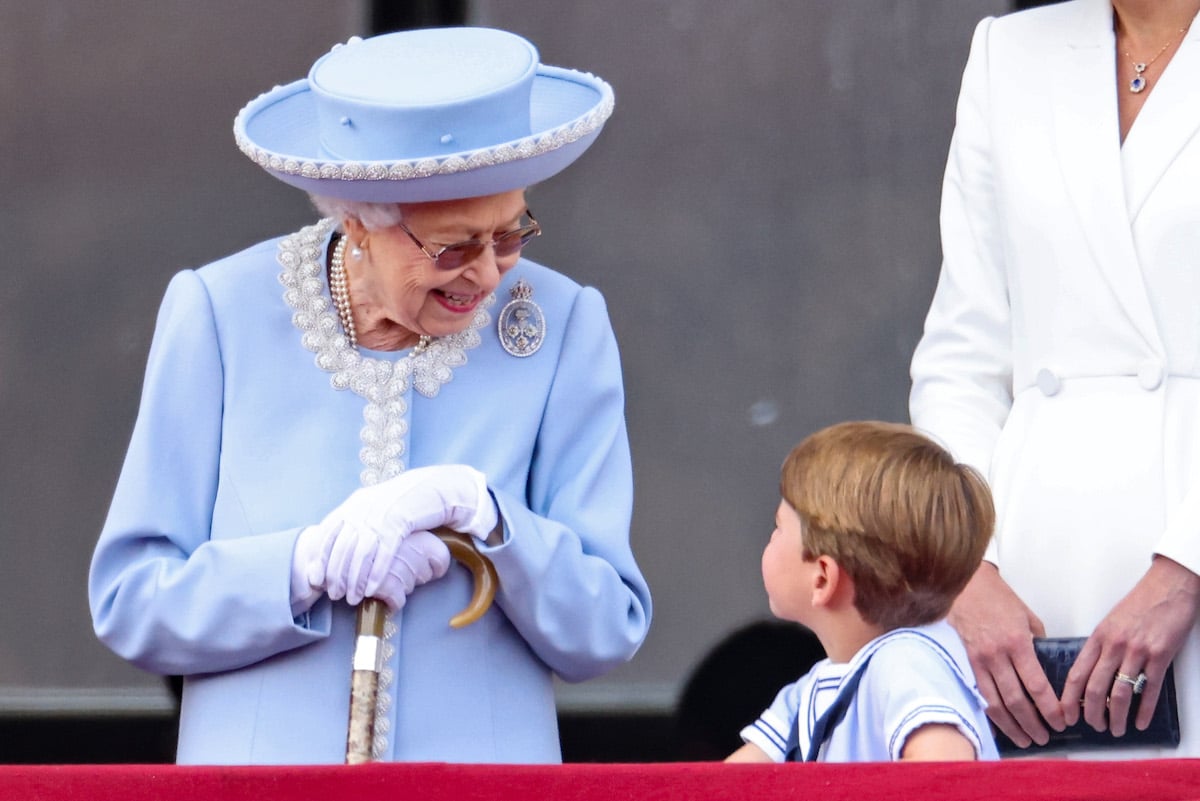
(1140, 82)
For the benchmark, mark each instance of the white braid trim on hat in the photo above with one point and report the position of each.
(465, 161)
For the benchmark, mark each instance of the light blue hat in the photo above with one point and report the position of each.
(431, 114)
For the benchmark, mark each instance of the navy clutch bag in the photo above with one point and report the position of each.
(1056, 655)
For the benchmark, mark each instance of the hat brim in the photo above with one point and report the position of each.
(278, 131)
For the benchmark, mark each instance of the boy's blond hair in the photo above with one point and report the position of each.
(896, 513)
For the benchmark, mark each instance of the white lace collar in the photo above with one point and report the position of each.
(303, 258)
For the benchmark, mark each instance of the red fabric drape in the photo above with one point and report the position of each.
(1151, 780)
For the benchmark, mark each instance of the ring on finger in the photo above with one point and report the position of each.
(1138, 683)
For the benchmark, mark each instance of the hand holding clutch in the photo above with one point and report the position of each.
(1056, 655)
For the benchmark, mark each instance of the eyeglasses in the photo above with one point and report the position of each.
(509, 243)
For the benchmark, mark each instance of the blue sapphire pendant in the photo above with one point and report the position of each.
(521, 324)
(1139, 81)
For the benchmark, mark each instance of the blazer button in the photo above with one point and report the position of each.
(1150, 375)
(1048, 382)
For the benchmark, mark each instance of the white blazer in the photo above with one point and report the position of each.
(1061, 354)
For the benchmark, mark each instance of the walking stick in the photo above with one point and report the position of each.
(368, 642)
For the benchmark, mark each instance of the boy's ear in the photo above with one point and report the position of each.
(827, 580)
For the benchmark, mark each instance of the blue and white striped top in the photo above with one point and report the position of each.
(914, 677)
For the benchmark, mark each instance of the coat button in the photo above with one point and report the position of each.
(1048, 382)
(1150, 375)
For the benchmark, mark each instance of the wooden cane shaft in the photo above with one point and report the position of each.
(360, 732)
(368, 643)
(364, 680)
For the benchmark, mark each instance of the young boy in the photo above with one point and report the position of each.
(877, 532)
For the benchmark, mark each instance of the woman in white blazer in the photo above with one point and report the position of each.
(1061, 356)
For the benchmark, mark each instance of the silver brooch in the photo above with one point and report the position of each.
(522, 326)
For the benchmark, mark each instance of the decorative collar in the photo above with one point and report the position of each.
(302, 256)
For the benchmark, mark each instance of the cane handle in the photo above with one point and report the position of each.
(466, 552)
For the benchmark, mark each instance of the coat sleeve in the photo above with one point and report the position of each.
(568, 579)
(164, 592)
(962, 368)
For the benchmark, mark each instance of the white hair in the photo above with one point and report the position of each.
(373, 216)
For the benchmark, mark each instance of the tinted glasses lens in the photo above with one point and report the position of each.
(512, 242)
(507, 244)
(455, 256)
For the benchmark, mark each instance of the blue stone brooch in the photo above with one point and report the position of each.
(522, 326)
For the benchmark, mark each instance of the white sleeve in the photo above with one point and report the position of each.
(771, 730)
(962, 368)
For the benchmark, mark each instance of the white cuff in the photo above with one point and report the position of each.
(770, 734)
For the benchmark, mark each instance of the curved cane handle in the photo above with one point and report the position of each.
(466, 552)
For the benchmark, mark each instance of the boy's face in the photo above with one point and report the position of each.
(786, 574)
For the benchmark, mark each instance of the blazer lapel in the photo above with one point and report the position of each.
(1167, 122)
(1088, 142)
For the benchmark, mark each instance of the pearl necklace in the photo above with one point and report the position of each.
(1139, 82)
(339, 289)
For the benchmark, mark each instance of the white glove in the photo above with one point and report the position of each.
(421, 499)
(350, 553)
(421, 557)
(418, 558)
(309, 557)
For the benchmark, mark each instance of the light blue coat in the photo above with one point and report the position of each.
(241, 441)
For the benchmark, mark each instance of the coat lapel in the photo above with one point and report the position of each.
(1088, 141)
(1167, 122)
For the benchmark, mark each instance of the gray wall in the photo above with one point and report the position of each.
(761, 213)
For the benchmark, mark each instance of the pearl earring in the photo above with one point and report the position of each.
(356, 253)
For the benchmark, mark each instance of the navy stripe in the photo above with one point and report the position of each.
(933, 710)
(777, 739)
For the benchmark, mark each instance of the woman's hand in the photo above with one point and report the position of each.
(407, 562)
(353, 551)
(998, 630)
(421, 557)
(423, 498)
(1142, 634)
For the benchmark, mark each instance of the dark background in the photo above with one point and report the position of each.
(760, 213)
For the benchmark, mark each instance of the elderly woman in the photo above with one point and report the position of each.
(315, 405)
